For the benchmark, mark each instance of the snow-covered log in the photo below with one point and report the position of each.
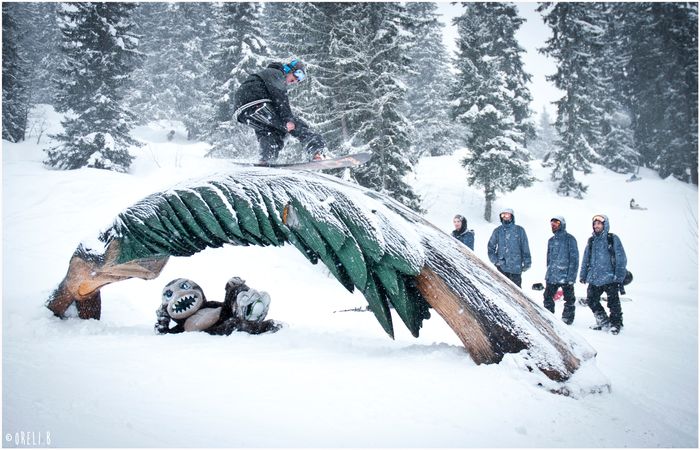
(367, 240)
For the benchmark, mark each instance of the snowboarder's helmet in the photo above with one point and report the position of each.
(297, 68)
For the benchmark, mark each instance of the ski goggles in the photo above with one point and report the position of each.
(599, 218)
(300, 75)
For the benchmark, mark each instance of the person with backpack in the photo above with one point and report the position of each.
(562, 268)
(508, 248)
(604, 267)
(461, 233)
(261, 102)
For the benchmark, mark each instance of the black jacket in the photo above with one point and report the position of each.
(269, 83)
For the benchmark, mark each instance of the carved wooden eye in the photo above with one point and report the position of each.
(168, 293)
(185, 285)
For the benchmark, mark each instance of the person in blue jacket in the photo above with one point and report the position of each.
(562, 268)
(508, 248)
(603, 267)
(461, 233)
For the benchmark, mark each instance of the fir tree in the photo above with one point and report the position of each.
(381, 126)
(545, 137)
(676, 24)
(617, 150)
(240, 51)
(15, 78)
(497, 161)
(428, 79)
(576, 44)
(100, 53)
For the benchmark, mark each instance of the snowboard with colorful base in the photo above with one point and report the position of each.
(340, 162)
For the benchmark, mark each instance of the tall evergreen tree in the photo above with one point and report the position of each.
(379, 42)
(100, 52)
(676, 26)
(15, 78)
(497, 161)
(428, 79)
(240, 51)
(617, 151)
(576, 43)
(545, 137)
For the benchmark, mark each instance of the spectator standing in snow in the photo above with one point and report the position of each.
(603, 267)
(461, 233)
(261, 102)
(562, 268)
(508, 248)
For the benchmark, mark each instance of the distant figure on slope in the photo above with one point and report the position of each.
(562, 268)
(261, 102)
(603, 267)
(243, 309)
(635, 205)
(461, 233)
(508, 248)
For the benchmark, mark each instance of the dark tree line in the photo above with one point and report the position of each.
(380, 81)
(630, 76)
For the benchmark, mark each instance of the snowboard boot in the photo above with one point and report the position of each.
(615, 329)
(602, 321)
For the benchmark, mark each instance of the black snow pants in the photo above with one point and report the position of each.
(516, 278)
(569, 298)
(593, 298)
(271, 131)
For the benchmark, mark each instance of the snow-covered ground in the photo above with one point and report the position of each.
(330, 379)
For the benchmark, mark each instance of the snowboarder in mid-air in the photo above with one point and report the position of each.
(261, 102)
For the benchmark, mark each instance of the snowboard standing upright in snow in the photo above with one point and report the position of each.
(261, 102)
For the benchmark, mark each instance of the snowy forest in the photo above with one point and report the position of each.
(380, 80)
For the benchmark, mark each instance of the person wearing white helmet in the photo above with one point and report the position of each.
(508, 248)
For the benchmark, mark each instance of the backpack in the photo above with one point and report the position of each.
(628, 275)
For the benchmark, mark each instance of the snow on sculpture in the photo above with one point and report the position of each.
(367, 240)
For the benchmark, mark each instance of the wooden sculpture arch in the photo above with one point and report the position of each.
(367, 240)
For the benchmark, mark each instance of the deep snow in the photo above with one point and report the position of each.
(330, 379)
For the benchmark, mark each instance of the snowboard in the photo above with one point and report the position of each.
(583, 301)
(340, 162)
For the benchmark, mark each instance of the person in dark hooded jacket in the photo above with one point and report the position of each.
(261, 102)
(508, 248)
(461, 233)
(603, 267)
(562, 268)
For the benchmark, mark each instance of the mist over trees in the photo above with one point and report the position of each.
(380, 80)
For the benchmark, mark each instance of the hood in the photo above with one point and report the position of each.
(276, 65)
(508, 210)
(562, 220)
(463, 227)
(606, 225)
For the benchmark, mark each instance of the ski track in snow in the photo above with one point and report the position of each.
(331, 379)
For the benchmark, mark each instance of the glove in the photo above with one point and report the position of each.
(252, 305)
(621, 288)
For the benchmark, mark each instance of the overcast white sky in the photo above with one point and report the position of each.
(532, 35)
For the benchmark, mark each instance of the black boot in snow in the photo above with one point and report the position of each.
(602, 321)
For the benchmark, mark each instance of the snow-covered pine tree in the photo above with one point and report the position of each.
(100, 52)
(576, 44)
(157, 77)
(617, 151)
(545, 137)
(41, 48)
(240, 51)
(378, 95)
(15, 78)
(428, 79)
(676, 25)
(497, 161)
